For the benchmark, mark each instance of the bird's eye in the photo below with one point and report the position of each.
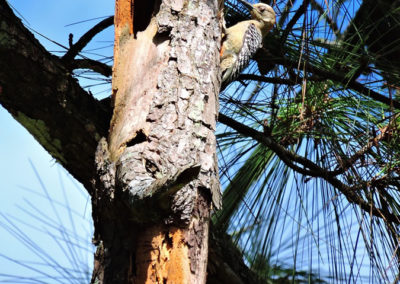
(261, 9)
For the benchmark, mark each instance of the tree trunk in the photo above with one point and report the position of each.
(157, 171)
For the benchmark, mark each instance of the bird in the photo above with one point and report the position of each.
(241, 41)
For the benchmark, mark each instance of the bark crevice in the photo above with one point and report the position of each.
(161, 150)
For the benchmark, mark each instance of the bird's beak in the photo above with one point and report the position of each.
(246, 4)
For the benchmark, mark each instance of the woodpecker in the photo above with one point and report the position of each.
(241, 41)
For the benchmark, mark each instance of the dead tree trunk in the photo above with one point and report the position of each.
(157, 171)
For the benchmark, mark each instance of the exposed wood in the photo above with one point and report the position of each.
(134, 79)
(123, 23)
(164, 256)
(157, 173)
(171, 254)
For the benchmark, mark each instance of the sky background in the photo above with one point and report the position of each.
(30, 177)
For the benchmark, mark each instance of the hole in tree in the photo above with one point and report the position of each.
(139, 138)
(168, 240)
(142, 13)
(161, 37)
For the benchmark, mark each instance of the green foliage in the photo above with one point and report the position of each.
(325, 89)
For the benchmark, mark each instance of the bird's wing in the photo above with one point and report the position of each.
(252, 41)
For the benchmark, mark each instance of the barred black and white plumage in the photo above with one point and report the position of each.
(242, 40)
(252, 41)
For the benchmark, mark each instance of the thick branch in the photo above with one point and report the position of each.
(39, 92)
(223, 264)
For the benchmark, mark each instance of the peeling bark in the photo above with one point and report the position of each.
(159, 165)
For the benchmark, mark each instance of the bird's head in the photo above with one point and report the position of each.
(261, 12)
(264, 13)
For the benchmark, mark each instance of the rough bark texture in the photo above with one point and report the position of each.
(157, 174)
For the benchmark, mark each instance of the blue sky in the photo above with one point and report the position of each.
(29, 176)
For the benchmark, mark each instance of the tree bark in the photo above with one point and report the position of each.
(157, 171)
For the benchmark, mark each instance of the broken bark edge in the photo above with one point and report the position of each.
(159, 195)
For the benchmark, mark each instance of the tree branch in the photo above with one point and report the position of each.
(266, 79)
(223, 265)
(302, 9)
(86, 38)
(332, 24)
(39, 92)
(273, 80)
(354, 85)
(313, 169)
(346, 163)
(94, 65)
(334, 76)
